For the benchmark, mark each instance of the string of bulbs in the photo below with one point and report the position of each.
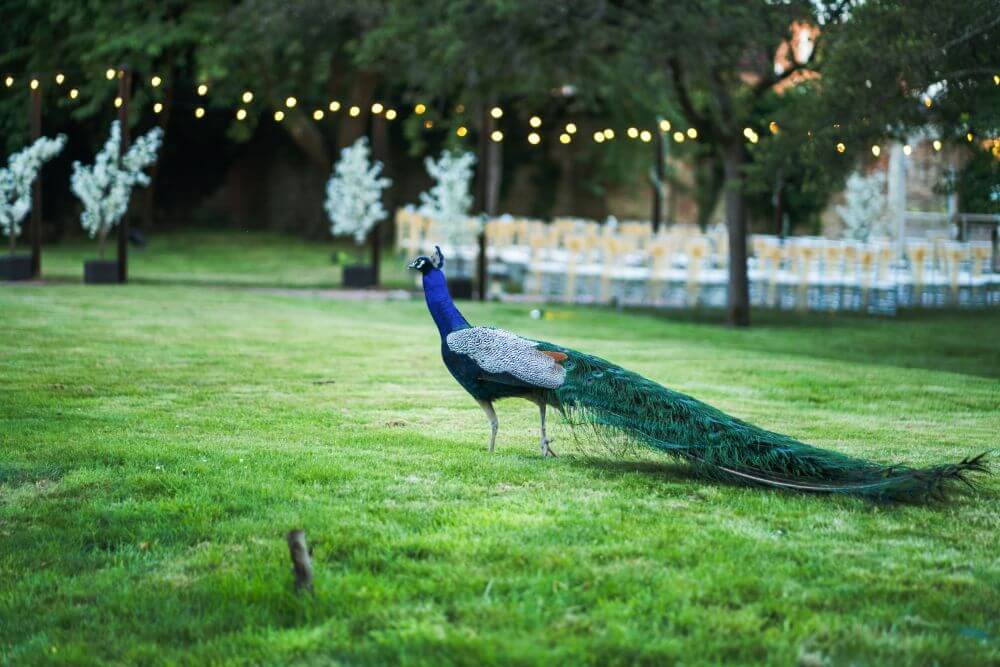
(566, 136)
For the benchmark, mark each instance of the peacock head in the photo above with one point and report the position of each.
(425, 264)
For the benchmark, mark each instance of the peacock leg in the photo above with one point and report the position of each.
(546, 450)
(491, 414)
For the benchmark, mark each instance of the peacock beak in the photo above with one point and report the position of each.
(413, 264)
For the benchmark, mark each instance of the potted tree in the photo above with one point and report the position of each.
(105, 188)
(448, 202)
(15, 199)
(354, 203)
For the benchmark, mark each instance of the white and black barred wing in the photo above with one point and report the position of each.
(503, 354)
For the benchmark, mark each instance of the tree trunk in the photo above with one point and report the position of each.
(738, 304)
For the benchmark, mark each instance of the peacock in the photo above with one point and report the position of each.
(492, 364)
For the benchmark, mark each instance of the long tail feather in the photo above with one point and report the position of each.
(626, 408)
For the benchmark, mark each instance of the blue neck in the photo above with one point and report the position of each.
(443, 310)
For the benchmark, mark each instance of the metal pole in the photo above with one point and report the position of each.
(379, 151)
(124, 92)
(35, 118)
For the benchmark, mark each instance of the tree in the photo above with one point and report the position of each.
(354, 193)
(105, 187)
(16, 179)
(449, 199)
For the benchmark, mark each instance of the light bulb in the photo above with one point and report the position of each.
(679, 137)
(533, 138)
(290, 102)
(599, 137)
(609, 133)
(155, 81)
(202, 90)
(646, 136)
(241, 114)
(664, 125)
(692, 133)
(876, 151)
(535, 121)
(390, 114)
(841, 147)
(632, 132)
(318, 114)
(334, 106)
(462, 131)
(419, 109)
(496, 112)
(110, 74)
(199, 112)
(570, 128)
(60, 78)
(279, 115)
(33, 84)
(564, 138)
(377, 108)
(118, 102)
(354, 111)
(907, 149)
(74, 93)
(497, 136)
(157, 107)
(247, 97)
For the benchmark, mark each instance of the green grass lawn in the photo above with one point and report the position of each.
(223, 258)
(157, 442)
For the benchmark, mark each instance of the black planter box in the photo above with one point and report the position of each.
(15, 267)
(100, 272)
(359, 275)
(460, 288)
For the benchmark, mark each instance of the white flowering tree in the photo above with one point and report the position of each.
(864, 209)
(450, 198)
(106, 186)
(354, 192)
(16, 179)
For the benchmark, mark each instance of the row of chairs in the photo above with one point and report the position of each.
(582, 261)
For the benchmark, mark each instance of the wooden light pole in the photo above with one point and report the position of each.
(124, 93)
(380, 153)
(35, 120)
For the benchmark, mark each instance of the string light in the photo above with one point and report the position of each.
(60, 77)
(679, 137)
(497, 136)
(459, 108)
(318, 114)
(247, 97)
(354, 111)
(747, 132)
(33, 84)
(599, 137)
(996, 79)
(158, 107)
(390, 114)
(570, 128)
(334, 106)
(9, 81)
(841, 148)
(534, 138)
(110, 74)
(968, 137)
(692, 133)
(773, 127)
(937, 144)
(419, 109)
(155, 81)
(118, 102)
(279, 115)
(199, 112)
(535, 121)
(74, 93)
(876, 151)
(496, 112)
(290, 102)
(928, 102)
(462, 131)
(428, 124)
(241, 114)
(202, 90)
(609, 133)
(564, 138)
(632, 132)
(377, 108)
(664, 125)
(907, 149)
(646, 136)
